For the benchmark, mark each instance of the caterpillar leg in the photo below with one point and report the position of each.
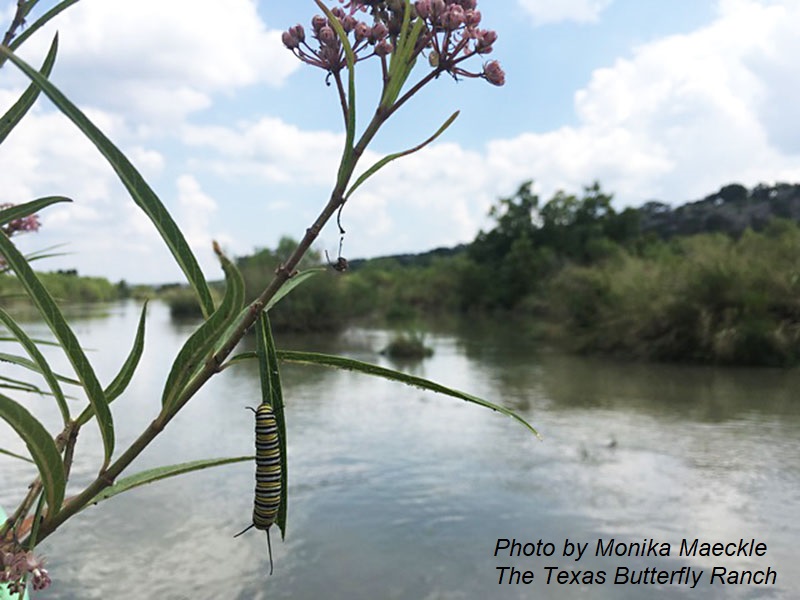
(269, 548)
(248, 528)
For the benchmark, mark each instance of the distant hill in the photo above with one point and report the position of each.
(423, 259)
(731, 210)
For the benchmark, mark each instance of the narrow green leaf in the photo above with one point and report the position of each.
(292, 283)
(69, 343)
(284, 290)
(32, 366)
(39, 23)
(402, 60)
(40, 361)
(387, 159)
(42, 448)
(341, 362)
(38, 341)
(350, 57)
(350, 364)
(20, 211)
(10, 383)
(263, 330)
(123, 378)
(128, 483)
(200, 344)
(15, 455)
(272, 393)
(14, 114)
(241, 357)
(137, 187)
(34, 535)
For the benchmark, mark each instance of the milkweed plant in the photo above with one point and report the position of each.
(427, 38)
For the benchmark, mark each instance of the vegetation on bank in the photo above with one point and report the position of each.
(714, 281)
(708, 298)
(66, 286)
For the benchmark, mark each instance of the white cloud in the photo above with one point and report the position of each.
(161, 60)
(270, 150)
(555, 11)
(195, 217)
(682, 116)
(674, 120)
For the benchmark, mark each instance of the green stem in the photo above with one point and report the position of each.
(212, 366)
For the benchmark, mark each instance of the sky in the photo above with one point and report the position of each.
(655, 100)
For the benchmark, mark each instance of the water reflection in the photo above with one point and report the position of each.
(398, 493)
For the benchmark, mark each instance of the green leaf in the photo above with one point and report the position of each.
(137, 187)
(284, 290)
(14, 114)
(10, 383)
(69, 343)
(15, 455)
(39, 341)
(123, 378)
(40, 361)
(272, 393)
(20, 211)
(402, 60)
(350, 364)
(128, 483)
(345, 166)
(42, 448)
(39, 23)
(32, 366)
(198, 348)
(387, 159)
(292, 283)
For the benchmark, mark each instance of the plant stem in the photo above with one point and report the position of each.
(211, 367)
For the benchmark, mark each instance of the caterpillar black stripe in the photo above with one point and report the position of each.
(268, 474)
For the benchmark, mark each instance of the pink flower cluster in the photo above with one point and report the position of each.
(29, 223)
(454, 35)
(329, 53)
(451, 34)
(14, 565)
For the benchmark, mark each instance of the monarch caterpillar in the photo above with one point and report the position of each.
(268, 473)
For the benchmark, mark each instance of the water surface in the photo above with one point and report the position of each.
(400, 493)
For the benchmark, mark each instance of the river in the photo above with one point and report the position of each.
(397, 493)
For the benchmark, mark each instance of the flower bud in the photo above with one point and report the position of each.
(378, 32)
(298, 32)
(486, 38)
(289, 40)
(454, 17)
(318, 22)
(493, 73)
(348, 24)
(383, 48)
(362, 31)
(423, 8)
(327, 35)
(473, 18)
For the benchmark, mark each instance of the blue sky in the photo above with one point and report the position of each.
(656, 100)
